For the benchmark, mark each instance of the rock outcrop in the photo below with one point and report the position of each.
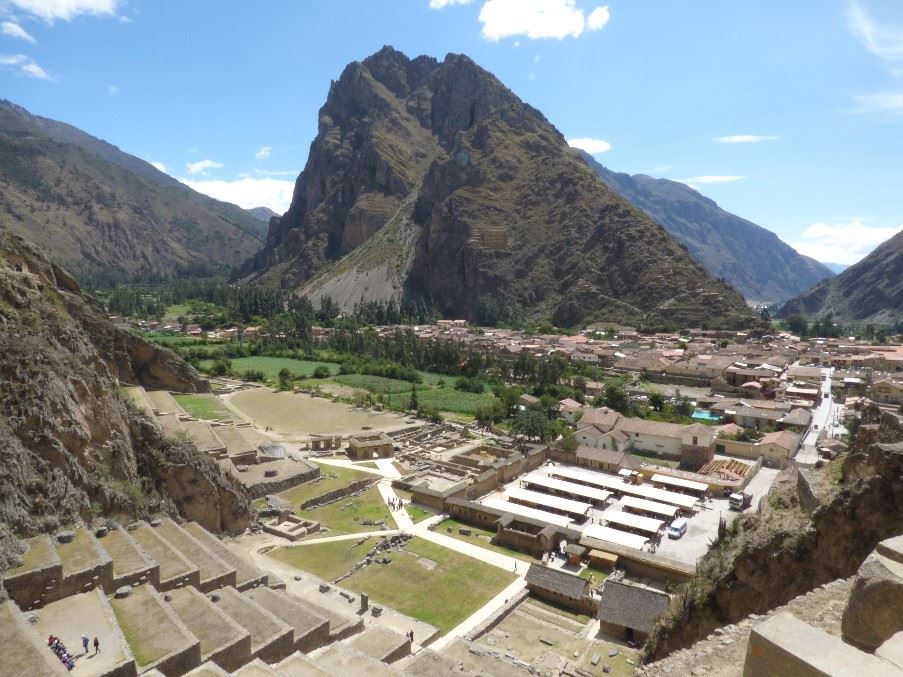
(69, 445)
(787, 550)
(432, 181)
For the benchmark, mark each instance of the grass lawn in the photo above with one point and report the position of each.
(343, 477)
(479, 536)
(270, 366)
(172, 340)
(655, 460)
(345, 515)
(597, 574)
(418, 513)
(449, 589)
(375, 384)
(205, 407)
(326, 560)
(176, 310)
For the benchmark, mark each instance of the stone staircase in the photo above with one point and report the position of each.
(170, 599)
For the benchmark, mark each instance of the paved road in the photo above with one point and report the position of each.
(822, 416)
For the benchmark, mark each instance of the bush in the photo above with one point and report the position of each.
(470, 384)
(254, 375)
(321, 371)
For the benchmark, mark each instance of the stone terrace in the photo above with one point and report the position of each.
(246, 574)
(311, 629)
(214, 572)
(175, 569)
(156, 636)
(130, 563)
(87, 613)
(223, 641)
(271, 639)
(24, 653)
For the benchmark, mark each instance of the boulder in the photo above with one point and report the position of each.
(874, 611)
(123, 592)
(65, 536)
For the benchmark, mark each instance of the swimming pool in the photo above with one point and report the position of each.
(704, 415)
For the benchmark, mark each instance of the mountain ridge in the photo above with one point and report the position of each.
(751, 258)
(489, 206)
(869, 291)
(103, 221)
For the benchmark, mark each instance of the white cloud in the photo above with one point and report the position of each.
(14, 30)
(696, 181)
(201, 166)
(887, 103)
(841, 242)
(883, 40)
(442, 4)
(66, 10)
(744, 138)
(264, 152)
(598, 18)
(112, 90)
(590, 145)
(160, 166)
(25, 65)
(537, 58)
(248, 192)
(538, 19)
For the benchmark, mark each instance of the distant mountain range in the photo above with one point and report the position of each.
(750, 258)
(432, 181)
(105, 214)
(870, 291)
(835, 268)
(262, 213)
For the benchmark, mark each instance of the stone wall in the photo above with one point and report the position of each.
(336, 494)
(29, 590)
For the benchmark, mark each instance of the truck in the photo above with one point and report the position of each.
(740, 501)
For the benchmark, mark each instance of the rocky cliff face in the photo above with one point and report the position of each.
(752, 259)
(812, 530)
(69, 446)
(433, 180)
(870, 291)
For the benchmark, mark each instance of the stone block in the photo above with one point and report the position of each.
(874, 611)
(892, 650)
(785, 645)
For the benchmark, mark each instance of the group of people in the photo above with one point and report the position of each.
(396, 504)
(56, 646)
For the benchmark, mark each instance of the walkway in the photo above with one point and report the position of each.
(481, 615)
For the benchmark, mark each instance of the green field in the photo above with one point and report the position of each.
(375, 384)
(445, 399)
(479, 536)
(326, 560)
(345, 515)
(271, 366)
(172, 340)
(431, 583)
(205, 407)
(342, 477)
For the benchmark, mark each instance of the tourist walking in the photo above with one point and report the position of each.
(96, 646)
(85, 642)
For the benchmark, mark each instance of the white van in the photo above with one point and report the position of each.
(677, 528)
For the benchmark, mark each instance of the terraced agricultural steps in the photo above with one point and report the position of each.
(168, 600)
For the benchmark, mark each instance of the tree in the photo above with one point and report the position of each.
(797, 324)
(616, 398)
(285, 379)
(532, 423)
(683, 407)
(322, 371)
(413, 405)
(657, 401)
(568, 442)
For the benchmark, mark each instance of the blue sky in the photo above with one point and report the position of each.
(789, 114)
